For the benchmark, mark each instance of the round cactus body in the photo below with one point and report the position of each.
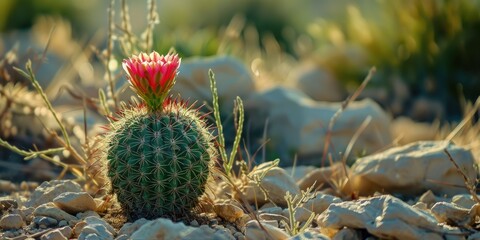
(159, 162)
(159, 152)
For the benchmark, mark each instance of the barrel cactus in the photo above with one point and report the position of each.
(159, 152)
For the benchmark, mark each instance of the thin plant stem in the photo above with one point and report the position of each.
(103, 102)
(29, 154)
(39, 89)
(468, 183)
(238, 136)
(111, 25)
(151, 24)
(345, 104)
(218, 120)
(126, 25)
(351, 143)
(45, 50)
(43, 155)
(70, 148)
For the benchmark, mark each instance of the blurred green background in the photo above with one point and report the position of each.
(430, 46)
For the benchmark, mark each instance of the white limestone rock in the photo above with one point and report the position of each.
(232, 78)
(317, 83)
(321, 178)
(463, 200)
(254, 231)
(347, 234)
(451, 213)
(53, 235)
(95, 227)
(47, 191)
(321, 202)
(95, 232)
(50, 210)
(298, 125)
(413, 169)
(384, 217)
(129, 228)
(162, 228)
(75, 202)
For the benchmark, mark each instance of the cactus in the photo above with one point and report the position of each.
(158, 153)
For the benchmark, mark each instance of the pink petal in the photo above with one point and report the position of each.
(154, 56)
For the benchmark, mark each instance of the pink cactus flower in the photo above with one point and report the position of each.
(152, 76)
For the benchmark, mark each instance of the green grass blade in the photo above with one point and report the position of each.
(218, 120)
(238, 135)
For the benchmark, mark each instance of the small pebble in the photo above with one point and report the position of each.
(53, 235)
(420, 206)
(75, 202)
(270, 216)
(446, 212)
(232, 228)
(272, 210)
(11, 221)
(8, 234)
(194, 223)
(270, 222)
(7, 186)
(92, 221)
(62, 223)
(83, 215)
(218, 227)
(66, 231)
(223, 233)
(463, 200)
(207, 229)
(213, 222)
(24, 186)
(99, 232)
(122, 237)
(72, 223)
(26, 213)
(17, 232)
(50, 210)
(6, 204)
(253, 230)
(32, 185)
(78, 228)
(228, 211)
(428, 198)
(31, 229)
(239, 236)
(49, 190)
(45, 222)
(91, 236)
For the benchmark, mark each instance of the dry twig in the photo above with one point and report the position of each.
(469, 184)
